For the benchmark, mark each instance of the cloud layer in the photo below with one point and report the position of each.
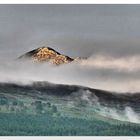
(108, 34)
(98, 71)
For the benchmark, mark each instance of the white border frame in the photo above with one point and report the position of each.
(70, 2)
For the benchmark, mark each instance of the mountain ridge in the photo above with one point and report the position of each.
(48, 54)
(42, 89)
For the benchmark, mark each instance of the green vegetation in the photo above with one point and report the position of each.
(54, 116)
(46, 124)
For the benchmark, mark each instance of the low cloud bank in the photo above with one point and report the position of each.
(98, 71)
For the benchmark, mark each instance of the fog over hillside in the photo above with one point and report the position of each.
(107, 34)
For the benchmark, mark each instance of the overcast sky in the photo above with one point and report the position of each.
(108, 34)
(75, 30)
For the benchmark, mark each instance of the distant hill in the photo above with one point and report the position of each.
(77, 94)
(47, 109)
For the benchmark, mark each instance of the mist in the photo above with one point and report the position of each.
(107, 34)
(127, 114)
(100, 72)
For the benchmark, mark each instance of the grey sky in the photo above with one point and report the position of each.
(109, 34)
(75, 30)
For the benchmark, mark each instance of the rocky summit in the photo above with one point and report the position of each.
(47, 54)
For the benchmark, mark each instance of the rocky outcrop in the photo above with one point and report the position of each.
(47, 54)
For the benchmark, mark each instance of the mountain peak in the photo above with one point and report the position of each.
(47, 54)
